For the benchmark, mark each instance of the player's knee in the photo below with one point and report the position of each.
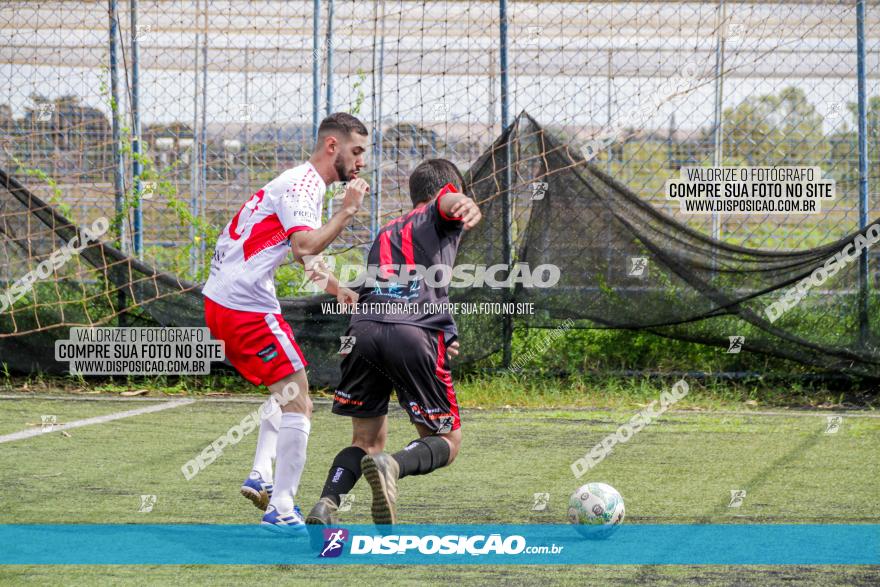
(292, 394)
(301, 404)
(454, 440)
(370, 444)
(379, 443)
(369, 447)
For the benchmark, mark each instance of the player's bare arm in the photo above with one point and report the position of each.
(312, 242)
(317, 271)
(462, 207)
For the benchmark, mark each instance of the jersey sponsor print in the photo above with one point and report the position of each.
(257, 240)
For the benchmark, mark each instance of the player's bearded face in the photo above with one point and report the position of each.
(345, 171)
(349, 159)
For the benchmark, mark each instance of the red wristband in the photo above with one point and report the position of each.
(447, 189)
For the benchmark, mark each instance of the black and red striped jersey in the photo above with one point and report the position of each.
(423, 240)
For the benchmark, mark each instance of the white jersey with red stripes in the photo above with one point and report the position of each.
(257, 240)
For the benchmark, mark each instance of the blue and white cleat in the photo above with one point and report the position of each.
(293, 523)
(257, 490)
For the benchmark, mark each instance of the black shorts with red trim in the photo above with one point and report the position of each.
(408, 359)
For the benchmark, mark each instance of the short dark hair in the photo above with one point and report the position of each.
(430, 176)
(341, 123)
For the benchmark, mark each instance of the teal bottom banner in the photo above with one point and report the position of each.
(633, 544)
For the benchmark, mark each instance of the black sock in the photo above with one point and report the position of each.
(344, 473)
(422, 456)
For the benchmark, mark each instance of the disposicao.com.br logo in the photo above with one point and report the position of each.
(451, 544)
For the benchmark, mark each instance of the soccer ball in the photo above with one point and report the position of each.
(595, 509)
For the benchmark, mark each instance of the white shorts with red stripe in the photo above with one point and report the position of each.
(261, 346)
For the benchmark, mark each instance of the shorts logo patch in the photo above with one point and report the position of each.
(343, 398)
(445, 426)
(268, 353)
(346, 344)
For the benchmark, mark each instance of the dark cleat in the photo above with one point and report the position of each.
(323, 513)
(381, 472)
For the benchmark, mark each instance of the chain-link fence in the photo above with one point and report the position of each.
(226, 98)
(227, 94)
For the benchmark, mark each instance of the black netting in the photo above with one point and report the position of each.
(589, 225)
(692, 287)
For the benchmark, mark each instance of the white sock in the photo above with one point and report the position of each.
(267, 439)
(293, 438)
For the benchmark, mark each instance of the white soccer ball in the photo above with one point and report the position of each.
(596, 510)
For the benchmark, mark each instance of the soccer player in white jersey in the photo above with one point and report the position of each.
(241, 307)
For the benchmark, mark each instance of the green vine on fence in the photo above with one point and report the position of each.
(162, 186)
(55, 192)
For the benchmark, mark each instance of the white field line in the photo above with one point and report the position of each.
(799, 413)
(325, 401)
(96, 420)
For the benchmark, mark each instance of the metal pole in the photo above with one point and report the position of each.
(329, 57)
(505, 105)
(118, 164)
(507, 331)
(863, 169)
(377, 129)
(194, 162)
(493, 101)
(329, 79)
(609, 253)
(718, 124)
(247, 100)
(137, 166)
(375, 101)
(608, 118)
(204, 142)
(316, 69)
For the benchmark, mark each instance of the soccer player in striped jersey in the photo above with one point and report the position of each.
(241, 307)
(400, 344)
